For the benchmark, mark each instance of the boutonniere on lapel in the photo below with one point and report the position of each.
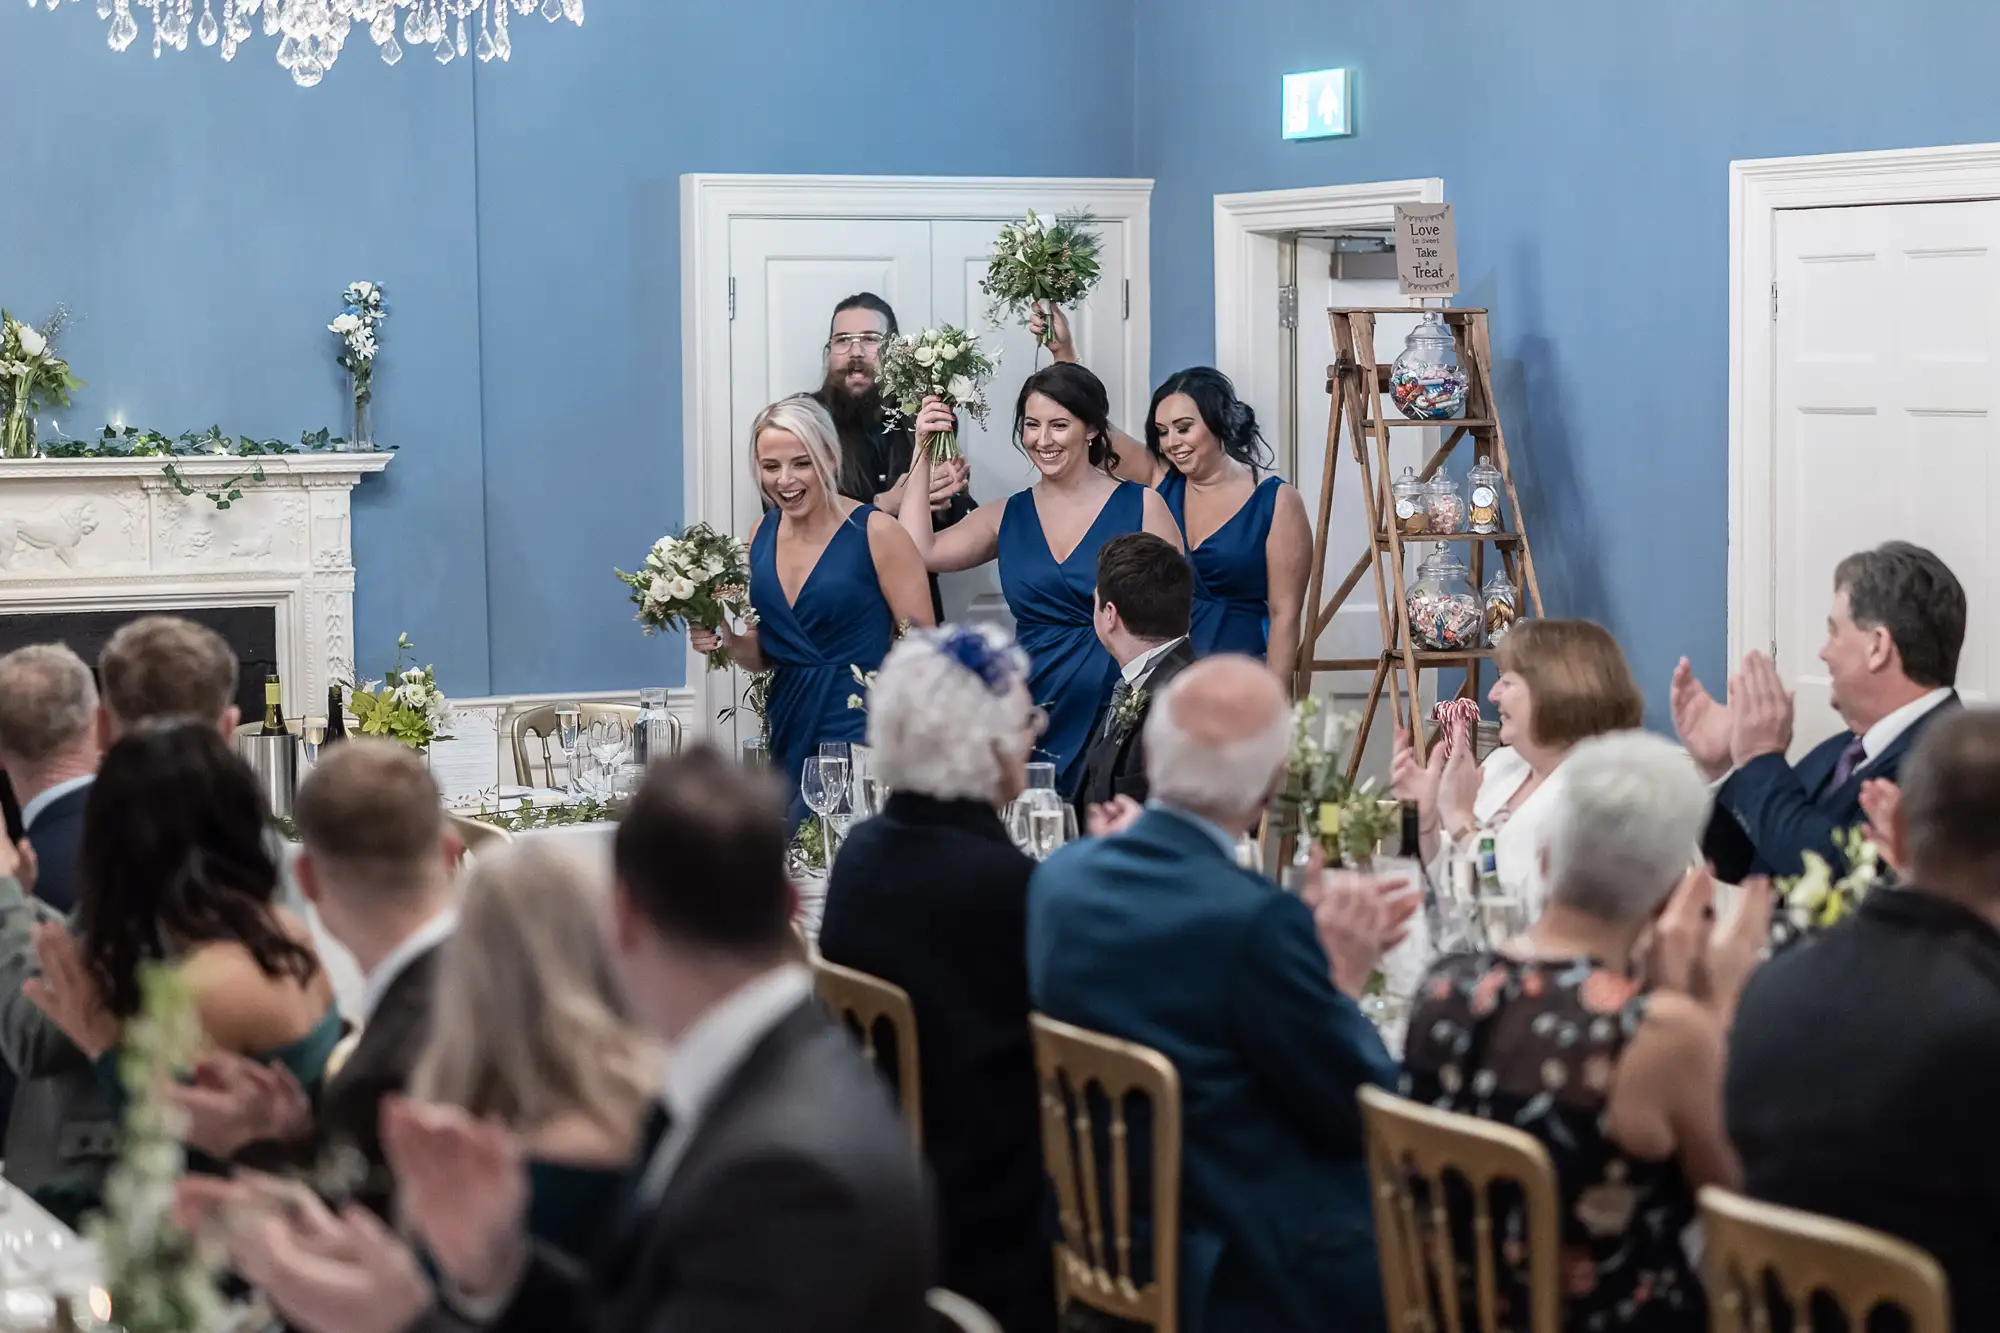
(1128, 707)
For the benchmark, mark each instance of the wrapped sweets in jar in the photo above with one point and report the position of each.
(1412, 501)
(1445, 615)
(1444, 503)
(1502, 601)
(1425, 380)
(1485, 480)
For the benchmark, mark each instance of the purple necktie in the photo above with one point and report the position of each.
(1850, 759)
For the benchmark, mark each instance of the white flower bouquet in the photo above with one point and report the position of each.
(1817, 899)
(406, 705)
(362, 312)
(1035, 262)
(31, 376)
(944, 363)
(700, 578)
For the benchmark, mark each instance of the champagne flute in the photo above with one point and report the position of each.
(1046, 829)
(835, 765)
(313, 735)
(569, 729)
(822, 792)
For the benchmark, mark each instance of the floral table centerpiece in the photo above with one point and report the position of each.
(31, 376)
(405, 706)
(1348, 819)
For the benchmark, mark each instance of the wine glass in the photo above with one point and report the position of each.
(569, 729)
(822, 783)
(835, 766)
(611, 747)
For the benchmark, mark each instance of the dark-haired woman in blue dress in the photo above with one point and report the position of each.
(1046, 539)
(831, 581)
(1246, 534)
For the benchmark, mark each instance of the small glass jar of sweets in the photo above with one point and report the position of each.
(1485, 480)
(1413, 515)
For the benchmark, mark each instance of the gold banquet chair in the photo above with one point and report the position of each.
(1750, 1245)
(963, 1315)
(1094, 1257)
(1407, 1143)
(863, 1002)
(477, 835)
(534, 752)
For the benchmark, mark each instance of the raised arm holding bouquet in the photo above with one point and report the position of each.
(1039, 264)
(946, 364)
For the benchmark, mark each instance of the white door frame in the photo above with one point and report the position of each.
(1247, 227)
(1758, 190)
(713, 462)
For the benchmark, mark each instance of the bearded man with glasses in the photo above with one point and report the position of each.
(875, 451)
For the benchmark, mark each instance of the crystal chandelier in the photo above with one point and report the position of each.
(311, 33)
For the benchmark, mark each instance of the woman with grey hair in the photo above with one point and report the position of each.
(528, 1028)
(932, 895)
(1602, 1031)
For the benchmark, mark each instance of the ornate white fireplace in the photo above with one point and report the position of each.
(103, 534)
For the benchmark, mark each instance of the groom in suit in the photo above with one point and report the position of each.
(1145, 593)
(1891, 654)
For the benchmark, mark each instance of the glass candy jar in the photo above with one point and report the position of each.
(1412, 503)
(1502, 602)
(1485, 480)
(1445, 503)
(1445, 614)
(1426, 380)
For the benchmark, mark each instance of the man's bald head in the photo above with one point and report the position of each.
(1216, 739)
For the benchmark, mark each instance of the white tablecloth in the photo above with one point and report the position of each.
(38, 1254)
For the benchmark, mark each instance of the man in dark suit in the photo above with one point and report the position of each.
(1145, 593)
(1153, 935)
(48, 749)
(379, 863)
(1862, 1076)
(1891, 654)
(875, 451)
(779, 1192)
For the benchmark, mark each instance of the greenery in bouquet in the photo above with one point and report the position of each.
(32, 376)
(405, 706)
(698, 579)
(160, 1279)
(1036, 262)
(946, 364)
(362, 312)
(1348, 819)
(1819, 898)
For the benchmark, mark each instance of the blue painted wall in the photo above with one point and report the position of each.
(201, 220)
(1586, 147)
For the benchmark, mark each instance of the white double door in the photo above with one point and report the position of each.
(787, 274)
(1886, 327)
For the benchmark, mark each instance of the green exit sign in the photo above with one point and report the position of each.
(1319, 105)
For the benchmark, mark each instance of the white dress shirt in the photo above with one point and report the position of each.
(48, 798)
(710, 1052)
(1136, 670)
(432, 932)
(1893, 724)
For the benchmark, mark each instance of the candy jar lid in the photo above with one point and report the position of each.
(1442, 484)
(1408, 482)
(1446, 564)
(1499, 586)
(1484, 473)
(1432, 338)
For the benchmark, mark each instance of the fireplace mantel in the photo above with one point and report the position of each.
(92, 534)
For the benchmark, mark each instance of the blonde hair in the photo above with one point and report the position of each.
(47, 701)
(802, 417)
(527, 1022)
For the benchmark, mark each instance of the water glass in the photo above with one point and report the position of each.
(756, 754)
(1041, 777)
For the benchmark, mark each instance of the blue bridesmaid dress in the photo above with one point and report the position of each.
(841, 621)
(1054, 604)
(1232, 584)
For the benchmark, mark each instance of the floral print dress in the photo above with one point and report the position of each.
(1534, 1045)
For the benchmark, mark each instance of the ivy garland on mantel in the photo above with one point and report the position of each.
(131, 442)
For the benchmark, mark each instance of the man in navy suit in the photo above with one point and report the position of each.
(1153, 934)
(48, 748)
(1892, 644)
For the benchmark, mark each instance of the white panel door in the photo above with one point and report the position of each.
(960, 250)
(1356, 631)
(789, 273)
(1884, 418)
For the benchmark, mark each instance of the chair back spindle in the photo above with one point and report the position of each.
(864, 1003)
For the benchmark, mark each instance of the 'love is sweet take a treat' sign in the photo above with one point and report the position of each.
(1426, 250)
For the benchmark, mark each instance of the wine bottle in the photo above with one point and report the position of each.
(336, 717)
(274, 708)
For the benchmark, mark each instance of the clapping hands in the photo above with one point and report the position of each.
(1359, 919)
(1705, 958)
(1756, 721)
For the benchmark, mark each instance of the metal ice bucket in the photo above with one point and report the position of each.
(275, 761)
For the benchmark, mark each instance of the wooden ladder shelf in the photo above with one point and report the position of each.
(1362, 407)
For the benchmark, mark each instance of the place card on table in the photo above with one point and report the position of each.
(468, 762)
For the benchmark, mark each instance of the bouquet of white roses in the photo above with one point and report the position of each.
(1035, 262)
(1817, 899)
(362, 310)
(406, 705)
(698, 579)
(941, 363)
(31, 375)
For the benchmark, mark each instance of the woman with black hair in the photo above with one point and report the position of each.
(1247, 534)
(1046, 539)
(174, 868)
